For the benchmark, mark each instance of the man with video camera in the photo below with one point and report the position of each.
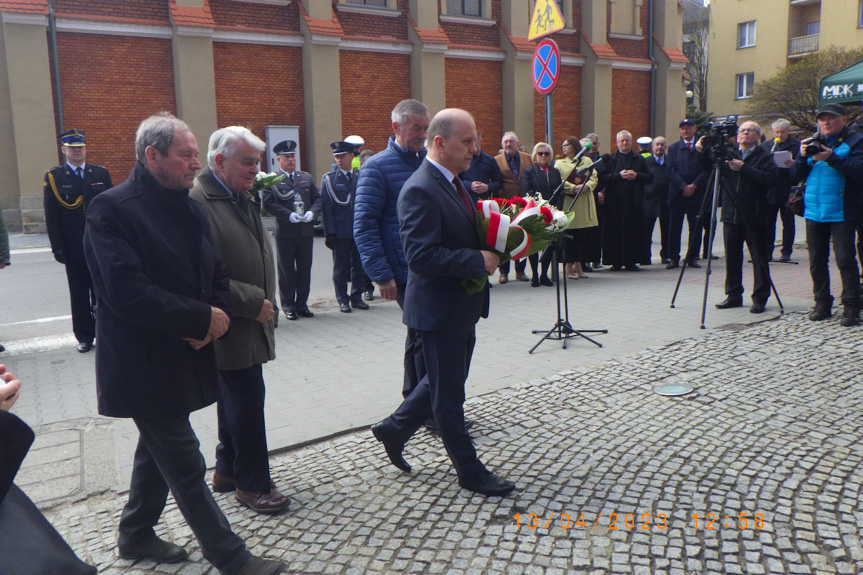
(746, 174)
(831, 165)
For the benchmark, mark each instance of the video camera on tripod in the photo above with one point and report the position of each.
(718, 138)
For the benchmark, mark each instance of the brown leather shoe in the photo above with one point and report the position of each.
(522, 277)
(502, 279)
(223, 484)
(270, 502)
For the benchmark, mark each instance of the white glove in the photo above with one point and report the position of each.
(295, 218)
(308, 216)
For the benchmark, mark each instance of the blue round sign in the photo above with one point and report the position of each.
(546, 66)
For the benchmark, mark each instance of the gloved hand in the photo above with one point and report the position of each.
(330, 241)
(295, 218)
(308, 216)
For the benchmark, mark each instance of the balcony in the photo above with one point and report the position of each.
(802, 45)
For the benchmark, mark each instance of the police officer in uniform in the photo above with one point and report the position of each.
(67, 191)
(295, 203)
(337, 195)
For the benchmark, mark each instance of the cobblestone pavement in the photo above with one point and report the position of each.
(613, 478)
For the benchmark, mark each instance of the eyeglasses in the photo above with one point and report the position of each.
(543, 153)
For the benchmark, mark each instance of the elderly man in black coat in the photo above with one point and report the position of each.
(656, 200)
(163, 297)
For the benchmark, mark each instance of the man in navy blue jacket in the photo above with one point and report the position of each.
(376, 226)
(685, 195)
(483, 177)
(441, 246)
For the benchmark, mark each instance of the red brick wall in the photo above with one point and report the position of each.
(632, 48)
(368, 26)
(232, 14)
(127, 79)
(566, 100)
(631, 104)
(277, 96)
(367, 104)
(475, 85)
(153, 10)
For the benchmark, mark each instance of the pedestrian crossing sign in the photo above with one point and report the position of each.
(546, 19)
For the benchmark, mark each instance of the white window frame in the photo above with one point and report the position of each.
(746, 81)
(748, 42)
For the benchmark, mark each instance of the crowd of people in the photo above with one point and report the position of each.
(180, 271)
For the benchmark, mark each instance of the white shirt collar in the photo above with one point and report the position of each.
(446, 173)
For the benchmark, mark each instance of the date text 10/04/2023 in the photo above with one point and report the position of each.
(634, 521)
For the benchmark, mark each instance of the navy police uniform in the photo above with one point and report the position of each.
(338, 189)
(294, 241)
(66, 196)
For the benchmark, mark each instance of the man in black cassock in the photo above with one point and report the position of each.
(625, 174)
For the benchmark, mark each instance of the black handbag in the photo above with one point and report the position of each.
(795, 201)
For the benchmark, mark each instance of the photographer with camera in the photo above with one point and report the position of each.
(747, 173)
(831, 164)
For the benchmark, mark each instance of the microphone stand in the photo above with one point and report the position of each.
(562, 330)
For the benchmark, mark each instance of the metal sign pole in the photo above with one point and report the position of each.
(549, 136)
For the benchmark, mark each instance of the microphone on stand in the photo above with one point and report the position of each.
(586, 147)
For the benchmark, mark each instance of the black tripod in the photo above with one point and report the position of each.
(562, 329)
(712, 199)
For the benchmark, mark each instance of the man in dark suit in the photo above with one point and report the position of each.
(512, 164)
(441, 246)
(656, 199)
(163, 297)
(782, 141)
(66, 192)
(295, 203)
(685, 195)
(337, 198)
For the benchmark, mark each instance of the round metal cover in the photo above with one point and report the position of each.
(673, 389)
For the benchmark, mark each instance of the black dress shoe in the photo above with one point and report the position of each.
(616, 268)
(633, 268)
(586, 267)
(290, 315)
(544, 280)
(729, 303)
(344, 308)
(305, 313)
(359, 305)
(154, 549)
(785, 259)
(368, 296)
(534, 282)
(394, 449)
(692, 264)
(672, 264)
(714, 257)
(757, 307)
(84, 347)
(488, 484)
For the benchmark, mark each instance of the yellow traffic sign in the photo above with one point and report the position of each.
(546, 19)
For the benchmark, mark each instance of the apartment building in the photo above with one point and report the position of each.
(750, 40)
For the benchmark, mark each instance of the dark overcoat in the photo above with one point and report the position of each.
(156, 274)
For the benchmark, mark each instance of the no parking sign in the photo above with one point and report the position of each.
(546, 66)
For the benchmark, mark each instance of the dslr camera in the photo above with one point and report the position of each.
(813, 144)
(718, 136)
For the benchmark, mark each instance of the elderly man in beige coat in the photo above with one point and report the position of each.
(242, 463)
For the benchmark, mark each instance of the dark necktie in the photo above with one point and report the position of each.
(463, 195)
(291, 177)
(79, 171)
(348, 176)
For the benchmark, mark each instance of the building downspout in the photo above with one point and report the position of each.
(652, 65)
(52, 28)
